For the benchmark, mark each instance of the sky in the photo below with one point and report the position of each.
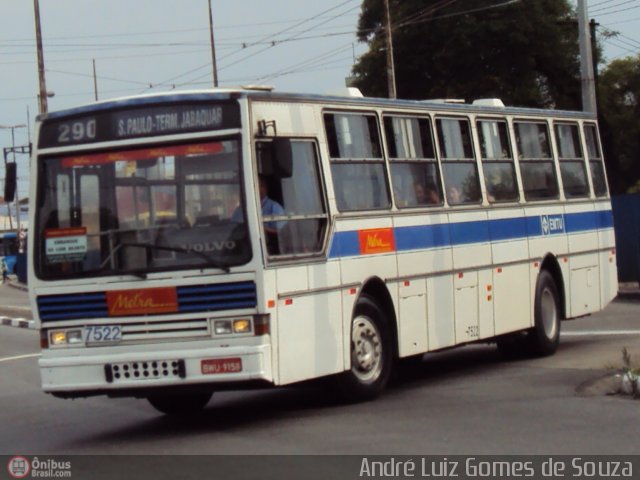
(142, 46)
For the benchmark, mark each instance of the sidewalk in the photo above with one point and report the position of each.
(629, 291)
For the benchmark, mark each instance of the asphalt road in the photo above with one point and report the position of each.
(464, 401)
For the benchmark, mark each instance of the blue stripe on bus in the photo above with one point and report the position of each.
(425, 236)
(508, 229)
(347, 244)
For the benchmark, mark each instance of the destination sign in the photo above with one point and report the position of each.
(139, 122)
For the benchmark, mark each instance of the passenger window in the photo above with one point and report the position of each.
(537, 167)
(415, 175)
(459, 167)
(357, 165)
(572, 166)
(596, 164)
(294, 214)
(497, 161)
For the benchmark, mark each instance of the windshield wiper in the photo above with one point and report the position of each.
(211, 262)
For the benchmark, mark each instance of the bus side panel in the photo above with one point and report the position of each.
(420, 241)
(440, 307)
(582, 235)
(471, 252)
(510, 249)
(607, 260)
(310, 335)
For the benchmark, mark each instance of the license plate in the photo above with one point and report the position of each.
(102, 334)
(221, 365)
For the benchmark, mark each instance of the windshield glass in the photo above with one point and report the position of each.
(142, 210)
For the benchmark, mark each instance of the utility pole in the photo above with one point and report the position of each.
(95, 80)
(42, 97)
(213, 48)
(13, 151)
(586, 60)
(391, 70)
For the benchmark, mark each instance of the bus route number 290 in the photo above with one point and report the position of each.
(78, 131)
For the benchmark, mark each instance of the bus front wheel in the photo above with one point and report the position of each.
(180, 404)
(371, 353)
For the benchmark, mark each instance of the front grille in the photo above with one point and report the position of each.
(225, 296)
(191, 299)
(69, 307)
(157, 330)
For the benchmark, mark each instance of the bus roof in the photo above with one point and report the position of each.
(266, 94)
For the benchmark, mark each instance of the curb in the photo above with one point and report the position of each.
(18, 286)
(18, 323)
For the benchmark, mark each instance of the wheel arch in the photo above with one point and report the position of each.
(376, 288)
(550, 264)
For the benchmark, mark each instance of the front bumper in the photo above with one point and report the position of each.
(77, 376)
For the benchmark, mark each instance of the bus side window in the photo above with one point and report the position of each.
(596, 163)
(497, 161)
(537, 167)
(572, 165)
(299, 197)
(414, 169)
(357, 164)
(459, 166)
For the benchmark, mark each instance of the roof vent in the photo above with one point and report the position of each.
(444, 100)
(260, 88)
(489, 102)
(347, 92)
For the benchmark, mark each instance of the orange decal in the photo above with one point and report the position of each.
(137, 302)
(379, 240)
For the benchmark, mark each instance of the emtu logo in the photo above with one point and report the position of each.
(552, 224)
(19, 467)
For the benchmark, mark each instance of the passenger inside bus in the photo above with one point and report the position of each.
(426, 194)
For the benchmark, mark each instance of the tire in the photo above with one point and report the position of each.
(544, 337)
(371, 354)
(186, 404)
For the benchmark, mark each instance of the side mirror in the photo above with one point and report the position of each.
(10, 181)
(283, 157)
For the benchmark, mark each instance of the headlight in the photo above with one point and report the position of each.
(242, 325)
(222, 327)
(65, 337)
(236, 326)
(58, 338)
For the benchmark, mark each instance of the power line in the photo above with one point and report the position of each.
(604, 9)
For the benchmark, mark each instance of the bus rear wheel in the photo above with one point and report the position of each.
(542, 340)
(371, 353)
(544, 337)
(180, 404)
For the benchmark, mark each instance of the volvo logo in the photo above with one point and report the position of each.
(214, 246)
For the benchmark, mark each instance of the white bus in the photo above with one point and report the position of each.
(192, 242)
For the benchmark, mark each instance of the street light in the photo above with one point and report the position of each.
(13, 150)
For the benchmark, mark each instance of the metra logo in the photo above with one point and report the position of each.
(552, 224)
(379, 240)
(137, 302)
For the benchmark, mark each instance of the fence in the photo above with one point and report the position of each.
(626, 219)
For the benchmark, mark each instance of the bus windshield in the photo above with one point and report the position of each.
(143, 210)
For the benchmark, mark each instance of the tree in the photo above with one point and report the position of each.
(619, 108)
(524, 52)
